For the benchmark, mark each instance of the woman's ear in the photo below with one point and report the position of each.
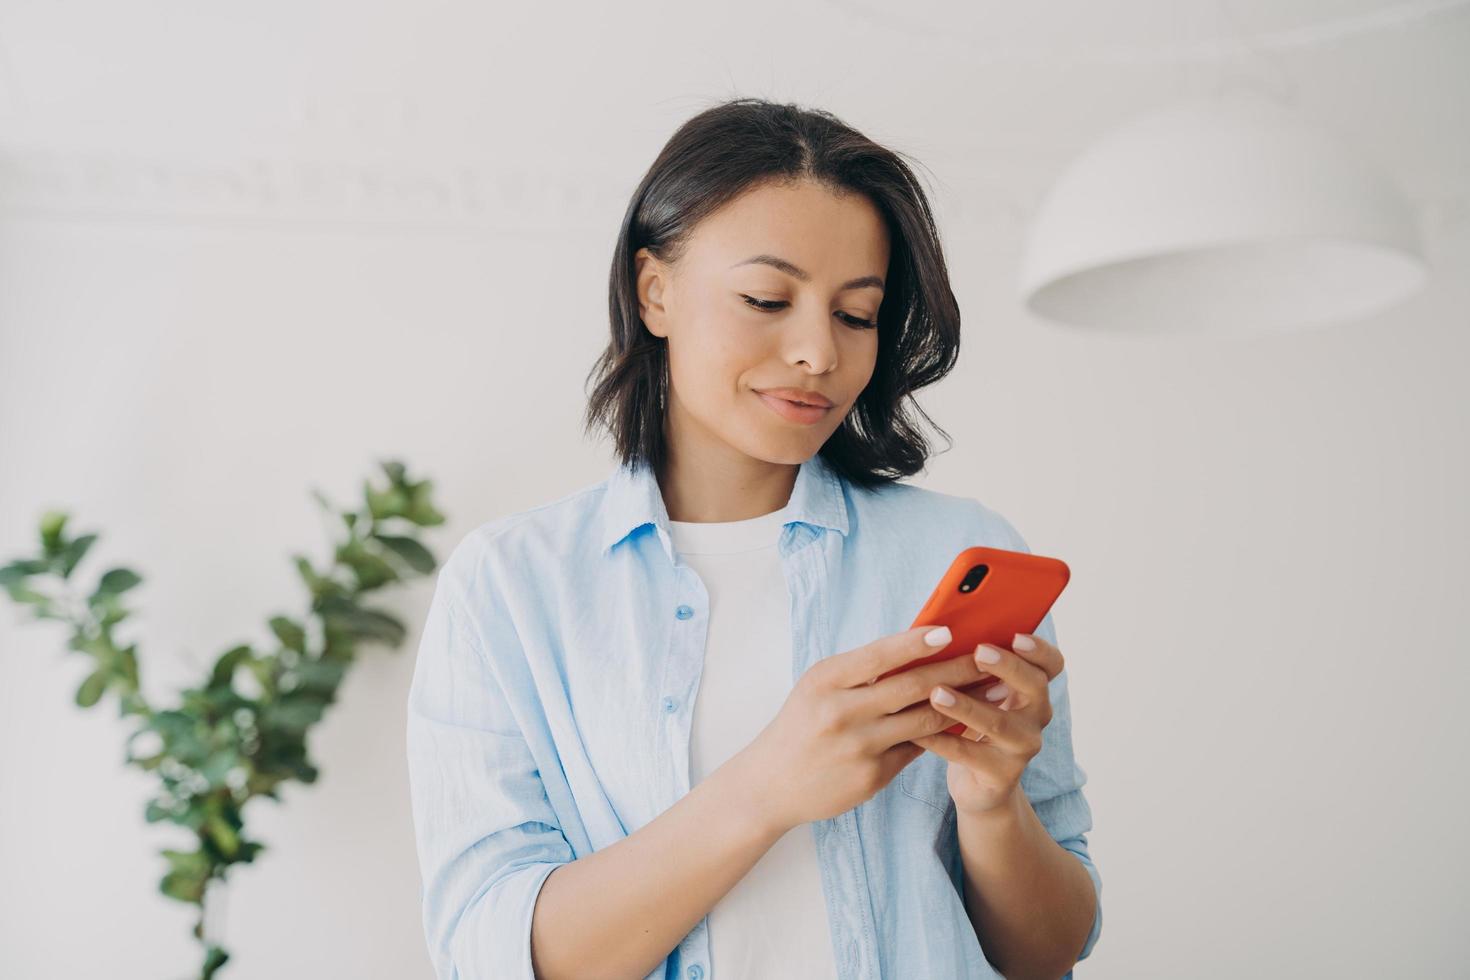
(652, 279)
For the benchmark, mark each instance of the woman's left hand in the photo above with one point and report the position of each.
(985, 763)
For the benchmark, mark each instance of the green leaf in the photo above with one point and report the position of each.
(182, 886)
(44, 610)
(73, 553)
(20, 593)
(341, 642)
(187, 876)
(52, 524)
(308, 574)
(371, 570)
(293, 713)
(320, 675)
(187, 862)
(261, 668)
(115, 582)
(363, 622)
(108, 610)
(214, 958)
(98, 646)
(419, 558)
(291, 633)
(180, 733)
(224, 667)
(127, 659)
(264, 784)
(420, 510)
(91, 690)
(223, 835)
(17, 571)
(170, 724)
(392, 502)
(394, 469)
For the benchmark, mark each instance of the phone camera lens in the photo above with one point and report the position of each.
(972, 578)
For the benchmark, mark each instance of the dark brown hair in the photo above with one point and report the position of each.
(716, 156)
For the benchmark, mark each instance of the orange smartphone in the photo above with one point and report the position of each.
(988, 596)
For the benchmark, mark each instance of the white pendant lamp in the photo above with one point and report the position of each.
(1232, 214)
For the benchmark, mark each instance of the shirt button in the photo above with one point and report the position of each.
(670, 704)
(683, 612)
(695, 972)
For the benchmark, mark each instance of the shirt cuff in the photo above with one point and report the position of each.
(493, 940)
(1096, 930)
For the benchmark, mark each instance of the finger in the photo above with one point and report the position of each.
(977, 756)
(1040, 652)
(860, 666)
(1021, 676)
(906, 725)
(912, 686)
(1011, 731)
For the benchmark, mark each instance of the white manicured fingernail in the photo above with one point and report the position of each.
(941, 696)
(938, 637)
(997, 692)
(987, 654)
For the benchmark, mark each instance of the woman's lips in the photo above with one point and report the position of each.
(804, 414)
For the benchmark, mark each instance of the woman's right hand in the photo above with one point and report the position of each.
(840, 737)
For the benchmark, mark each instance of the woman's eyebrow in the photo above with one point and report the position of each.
(776, 262)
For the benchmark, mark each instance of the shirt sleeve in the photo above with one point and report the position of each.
(1053, 780)
(485, 832)
(1053, 783)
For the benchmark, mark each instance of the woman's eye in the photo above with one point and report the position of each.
(770, 306)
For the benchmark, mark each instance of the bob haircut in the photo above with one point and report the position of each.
(714, 157)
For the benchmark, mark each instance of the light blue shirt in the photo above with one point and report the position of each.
(549, 717)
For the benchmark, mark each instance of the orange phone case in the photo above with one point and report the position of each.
(988, 596)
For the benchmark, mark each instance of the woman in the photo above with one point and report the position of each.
(644, 736)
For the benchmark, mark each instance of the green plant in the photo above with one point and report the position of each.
(221, 747)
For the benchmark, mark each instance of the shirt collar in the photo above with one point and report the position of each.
(633, 499)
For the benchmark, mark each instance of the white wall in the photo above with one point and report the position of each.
(246, 251)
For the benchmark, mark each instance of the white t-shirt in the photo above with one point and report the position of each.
(773, 923)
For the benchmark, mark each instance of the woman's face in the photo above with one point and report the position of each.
(816, 262)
